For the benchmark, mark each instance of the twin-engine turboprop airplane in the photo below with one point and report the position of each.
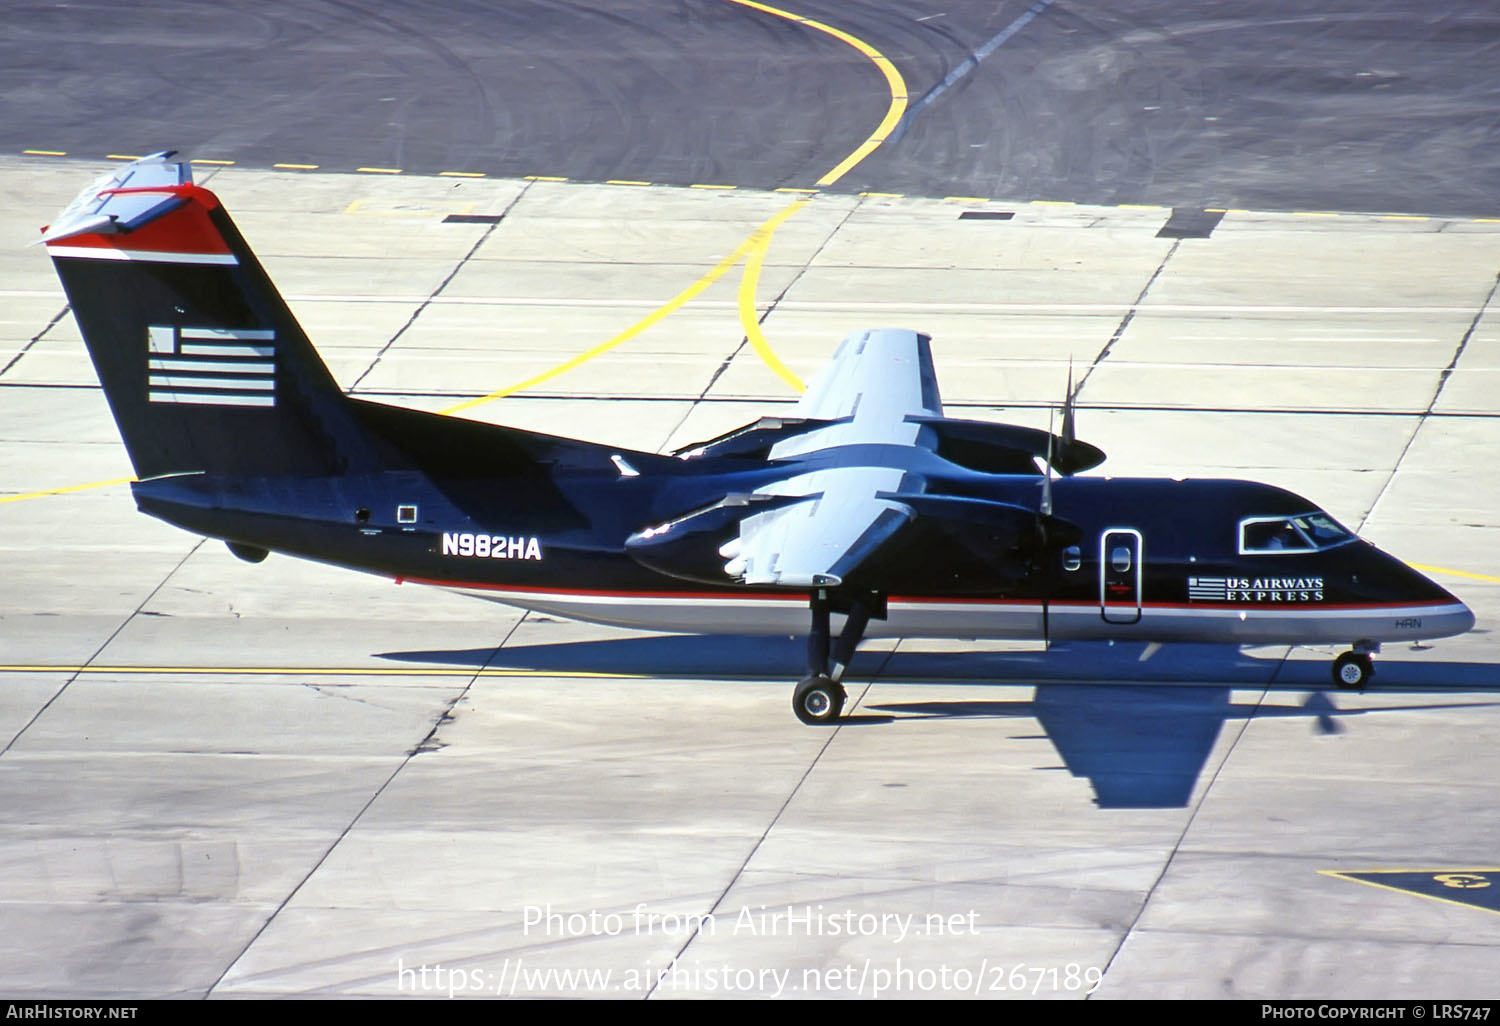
(864, 507)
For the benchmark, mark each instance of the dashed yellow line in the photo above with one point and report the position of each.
(898, 99)
(66, 490)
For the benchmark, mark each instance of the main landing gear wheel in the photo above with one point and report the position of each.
(818, 700)
(1353, 670)
(819, 697)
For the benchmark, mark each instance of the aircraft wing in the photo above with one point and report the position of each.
(853, 458)
(876, 382)
(875, 378)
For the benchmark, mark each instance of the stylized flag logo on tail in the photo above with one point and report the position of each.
(211, 366)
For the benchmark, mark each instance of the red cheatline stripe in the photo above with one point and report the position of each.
(797, 596)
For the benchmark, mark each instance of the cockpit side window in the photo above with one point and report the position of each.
(1272, 535)
(1308, 532)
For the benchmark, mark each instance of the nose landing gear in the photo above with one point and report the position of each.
(1353, 670)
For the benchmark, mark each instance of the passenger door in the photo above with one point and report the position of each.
(1120, 575)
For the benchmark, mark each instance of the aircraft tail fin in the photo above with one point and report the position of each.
(203, 364)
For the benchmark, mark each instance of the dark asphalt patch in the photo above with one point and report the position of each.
(1188, 223)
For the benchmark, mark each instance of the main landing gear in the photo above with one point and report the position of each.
(819, 697)
(1354, 668)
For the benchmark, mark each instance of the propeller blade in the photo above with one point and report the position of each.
(1068, 435)
(1047, 478)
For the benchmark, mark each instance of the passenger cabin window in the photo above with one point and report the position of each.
(1308, 532)
(1119, 559)
(1072, 557)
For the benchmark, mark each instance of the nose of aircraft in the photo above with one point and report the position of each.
(1460, 620)
(1449, 616)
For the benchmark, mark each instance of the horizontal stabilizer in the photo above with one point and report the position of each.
(125, 199)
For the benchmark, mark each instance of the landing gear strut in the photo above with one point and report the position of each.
(819, 697)
(1354, 668)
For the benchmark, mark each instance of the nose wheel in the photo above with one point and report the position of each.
(1353, 670)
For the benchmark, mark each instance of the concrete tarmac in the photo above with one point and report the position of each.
(286, 779)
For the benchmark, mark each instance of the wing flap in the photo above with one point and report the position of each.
(810, 544)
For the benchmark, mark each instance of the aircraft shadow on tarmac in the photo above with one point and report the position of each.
(1142, 741)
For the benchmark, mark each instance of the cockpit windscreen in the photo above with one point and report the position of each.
(1306, 532)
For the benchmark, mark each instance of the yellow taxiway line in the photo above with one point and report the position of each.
(753, 249)
(668, 308)
(892, 77)
(1453, 573)
(760, 243)
(66, 489)
(315, 671)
